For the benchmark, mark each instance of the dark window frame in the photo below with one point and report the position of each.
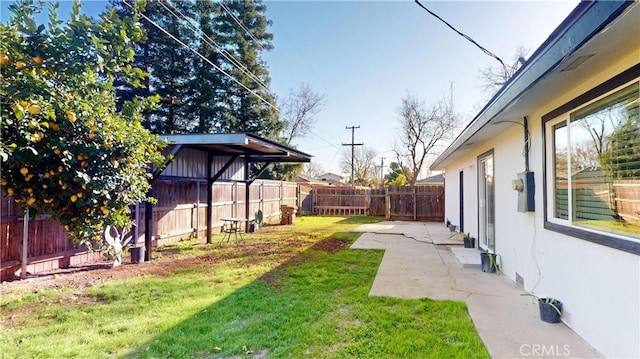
(614, 242)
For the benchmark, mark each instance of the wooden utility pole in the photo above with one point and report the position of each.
(382, 171)
(353, 145)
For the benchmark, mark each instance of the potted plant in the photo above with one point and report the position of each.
(448, 223)
(469, 242)
(489, 261)
(137, 253)
(550, 308)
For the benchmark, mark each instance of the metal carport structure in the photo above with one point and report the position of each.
(227, 155)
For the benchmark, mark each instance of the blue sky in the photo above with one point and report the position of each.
(367, 55)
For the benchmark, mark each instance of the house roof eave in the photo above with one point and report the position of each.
(584, 22)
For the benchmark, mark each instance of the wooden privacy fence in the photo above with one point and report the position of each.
(179, 213)
(419, 203)
(182, 205)
(627, 198)
(340, 201)
(48, 247)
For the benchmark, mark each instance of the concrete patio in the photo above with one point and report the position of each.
(419, 262)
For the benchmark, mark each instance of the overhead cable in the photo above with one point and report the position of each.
(202, 57)
(235, 18)
(325, 141)
(463, 35)
(204, 37)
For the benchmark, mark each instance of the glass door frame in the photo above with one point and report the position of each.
(486, 201)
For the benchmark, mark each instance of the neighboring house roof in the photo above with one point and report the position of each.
(330, 174)
(310, 180)
(331, 178)
(578, 46)
(436, 179)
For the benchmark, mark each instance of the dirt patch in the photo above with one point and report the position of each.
(331, 245)
(260, 354)
(281, 253)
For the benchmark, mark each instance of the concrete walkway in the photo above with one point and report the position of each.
(508, 323)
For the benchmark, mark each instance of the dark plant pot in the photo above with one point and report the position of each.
(547, 311)
(469, 242)
(452, 227)
(488, 264)
(137, 254)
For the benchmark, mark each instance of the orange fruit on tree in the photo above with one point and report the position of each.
(4, 59)
(71, 116)
(38, 60)
(24, 171)
(34, 109)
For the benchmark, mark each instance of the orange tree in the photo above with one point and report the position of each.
(66, 150)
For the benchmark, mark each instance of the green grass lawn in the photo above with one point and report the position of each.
(286, 291)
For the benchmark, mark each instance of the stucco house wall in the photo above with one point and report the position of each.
(598, 285)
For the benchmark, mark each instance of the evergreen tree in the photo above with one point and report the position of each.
(195, 95)
(170, 68)
(207, 82)
(242, 26)
(168, 63)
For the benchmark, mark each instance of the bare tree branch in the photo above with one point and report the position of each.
(494, 77)
(312, 169)
(299, 109)
(423, 129)
(364, 165)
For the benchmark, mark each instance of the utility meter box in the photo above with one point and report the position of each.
(526, 189)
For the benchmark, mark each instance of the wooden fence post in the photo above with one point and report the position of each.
(415, 205)
(25, 243)
(387, 203)
(198, 209)
(236, 200)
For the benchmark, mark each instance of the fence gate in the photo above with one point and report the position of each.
(419, 203)
(305, 199)
(340, 201)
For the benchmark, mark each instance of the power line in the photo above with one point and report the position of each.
(241, 25)
(463, 35)
(353, 146)
(334, 157)
(202, 57)
(212, 43)
(325, 141)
